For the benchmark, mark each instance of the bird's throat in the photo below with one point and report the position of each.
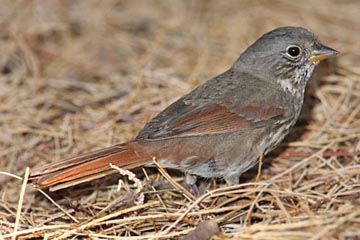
(296, 83)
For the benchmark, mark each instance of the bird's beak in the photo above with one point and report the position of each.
(322, 53)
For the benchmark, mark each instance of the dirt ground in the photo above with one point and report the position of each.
(76, 76)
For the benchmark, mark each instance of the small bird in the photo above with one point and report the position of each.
(219, 129)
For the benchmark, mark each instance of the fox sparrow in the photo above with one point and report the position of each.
(220, 128)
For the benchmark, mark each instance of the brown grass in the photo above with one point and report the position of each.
(80, 75)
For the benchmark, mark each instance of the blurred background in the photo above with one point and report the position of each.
(80, 75)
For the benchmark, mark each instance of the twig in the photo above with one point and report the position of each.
(58, 206)
(20, 202)
(173, 182)
(339, 153)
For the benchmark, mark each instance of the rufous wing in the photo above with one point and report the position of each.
(186, 120)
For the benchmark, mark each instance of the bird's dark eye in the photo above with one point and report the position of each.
(293, 51)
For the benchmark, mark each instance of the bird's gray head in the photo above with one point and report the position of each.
(286, 53)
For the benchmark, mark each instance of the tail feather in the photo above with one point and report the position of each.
(65, 184)
(88, 166)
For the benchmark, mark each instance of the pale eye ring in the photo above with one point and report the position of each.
(293, 52)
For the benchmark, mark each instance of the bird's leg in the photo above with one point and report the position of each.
(260, 166)
(232, 179)
(191, 182)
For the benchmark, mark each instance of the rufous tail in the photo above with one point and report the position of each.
(89, 166)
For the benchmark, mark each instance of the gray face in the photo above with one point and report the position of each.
(290, 44)
(285, 55)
